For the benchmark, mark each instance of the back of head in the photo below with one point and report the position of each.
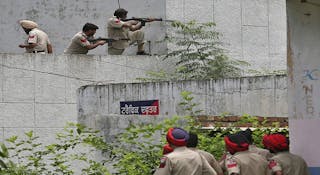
(120, 13)
(193, 140)
(89, 26)
(236, 143)
(248, 135)
(276, 142)
(177, 137)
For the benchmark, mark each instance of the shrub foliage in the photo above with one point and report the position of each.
(136, 151)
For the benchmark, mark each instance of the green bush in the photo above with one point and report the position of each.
(198, 54)
(136, 151)
(139, 152)
(28, 156)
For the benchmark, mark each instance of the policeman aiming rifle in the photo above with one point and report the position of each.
(119, 26)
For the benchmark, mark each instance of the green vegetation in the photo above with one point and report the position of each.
(28, 156)
(197, 54)
(136, 151)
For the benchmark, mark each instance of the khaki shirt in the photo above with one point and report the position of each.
(117, 31)
(39, 37)
(288, 164)
(263, 152)
(183, 161)
(78, 44)
(211, 160)
(246, 163)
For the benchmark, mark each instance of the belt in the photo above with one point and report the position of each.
(36, 51)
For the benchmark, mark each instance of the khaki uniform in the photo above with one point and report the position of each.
(263, 152)
(211, 160)
(78, 44)
(246, 163)
(117, 31)
(183, 161)
(288, 163)
(39, 37)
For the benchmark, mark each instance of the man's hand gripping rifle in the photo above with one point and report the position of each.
(108, 40)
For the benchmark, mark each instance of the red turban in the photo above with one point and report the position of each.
(167, 149)
(236, 143)
(177, 136)
(275, 142)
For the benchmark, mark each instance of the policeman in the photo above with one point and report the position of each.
(80, 44)
(283, 162)
(252, 147)
(241, 161)
(38, 41)
(192, 144)
(182, 161)
(124, 33)
(167, 149)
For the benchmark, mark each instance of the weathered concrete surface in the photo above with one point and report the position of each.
(252, 30)
(61, 19)
(99, 105)
(304, 91)
(39, 91)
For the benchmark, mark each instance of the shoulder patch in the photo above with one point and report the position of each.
(83, 40)
(163, 162)
(31, 36)
(117, 21)
(231, 163)
(272, 164)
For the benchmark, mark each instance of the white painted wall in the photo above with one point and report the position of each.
(303, 78)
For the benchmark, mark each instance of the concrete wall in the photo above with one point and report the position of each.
(252, 30)
(61, 19)
(99, 105)
(303, 82)
(39, 91)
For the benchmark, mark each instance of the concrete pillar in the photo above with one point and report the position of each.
(304, 80)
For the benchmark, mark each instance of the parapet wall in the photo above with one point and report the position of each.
(38, 92)
(99, 105)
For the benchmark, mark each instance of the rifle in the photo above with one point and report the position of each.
(145, 20)
(108, 40)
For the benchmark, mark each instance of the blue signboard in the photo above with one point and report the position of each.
(148, 107)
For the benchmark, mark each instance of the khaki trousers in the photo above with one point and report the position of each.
(135, 36)
(114, 51)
